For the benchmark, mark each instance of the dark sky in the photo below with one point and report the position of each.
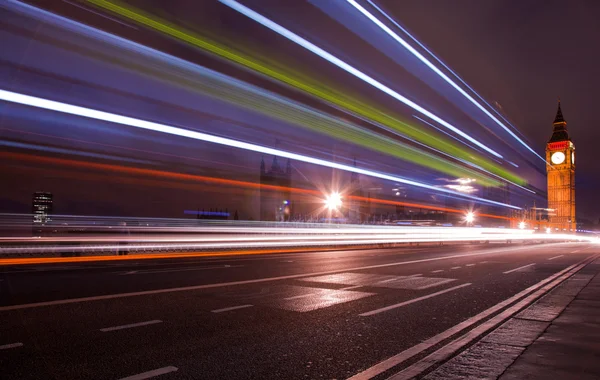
(524, 54)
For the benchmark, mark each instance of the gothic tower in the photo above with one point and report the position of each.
(560, 167)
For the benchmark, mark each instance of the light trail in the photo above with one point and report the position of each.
(332, 97)
(418, 55)
(32, 101)
(207, 82)
(439, 61)
(350, 69)
(332, 238)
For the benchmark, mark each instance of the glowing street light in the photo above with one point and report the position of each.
(548, 230)
(470, 217)
(333, 201)
(522, 225)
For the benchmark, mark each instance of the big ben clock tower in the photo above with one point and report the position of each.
(560, 167)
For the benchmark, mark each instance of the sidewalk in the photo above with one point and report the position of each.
(570, 346)
(557, 338)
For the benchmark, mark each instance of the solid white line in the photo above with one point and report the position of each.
(12, 345)
(122, 327)
(383, 309)
(516, 269)
(437, 271)
(153, 373)
(245, 282)
(230, 308)
(555, 257)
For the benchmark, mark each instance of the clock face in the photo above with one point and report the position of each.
(558, 158)
(573, 157)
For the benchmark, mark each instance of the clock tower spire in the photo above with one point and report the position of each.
(560, 167)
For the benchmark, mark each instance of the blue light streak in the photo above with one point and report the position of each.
(350, 69)
(413, 51)
(32, 101)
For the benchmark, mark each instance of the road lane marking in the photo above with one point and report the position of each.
(470, 265)
(519, 268)
(555, 257)
(11, 345)
(437, 271)
(383, 309)
(231, 308)
(132, 325)
(169, 270)
(455, 268)
(301, 296)
(153, 373)
(575, 251)
(352, 287)
(246, 282)
(391, 279)
(417, 349)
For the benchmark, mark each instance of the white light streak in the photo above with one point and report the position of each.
(391, 33)
(32, 101)
(350, 69)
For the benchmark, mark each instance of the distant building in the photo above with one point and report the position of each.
(41, 207)
(560, 166)
(275, 202)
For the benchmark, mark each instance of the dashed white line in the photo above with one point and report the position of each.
(11, 345)
(351, 287)
(555, 257)
(383, 309)
(300, 296)
(230, 308)
(153, 373)
(398, 278)
(455, 268)
(437, 271)
(470, 265)
(516, 269)
(132, 325)
(575, 251)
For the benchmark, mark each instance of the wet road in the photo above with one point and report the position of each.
(297, 315)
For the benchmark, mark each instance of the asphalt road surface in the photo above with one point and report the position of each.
(277, 316)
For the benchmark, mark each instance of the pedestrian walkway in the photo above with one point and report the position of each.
(557, 337)
(570, 346)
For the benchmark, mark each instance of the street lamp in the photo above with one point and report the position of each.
(548, 230)
(333, 201)
(470, 217)
(522, 225)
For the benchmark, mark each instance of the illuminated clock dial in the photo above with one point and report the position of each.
(558, 158)
(573, 157)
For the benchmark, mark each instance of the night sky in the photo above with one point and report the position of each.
(524, 55)
(519, 55)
